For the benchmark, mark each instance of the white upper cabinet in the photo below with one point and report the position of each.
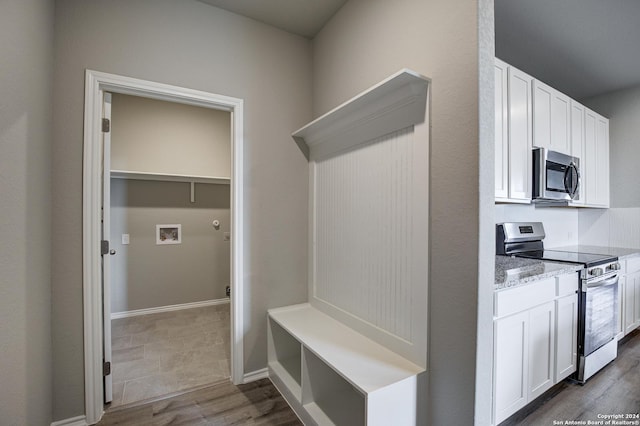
(577, 146)
(519, 95)
(551, 118)
(501, 131)
(513, 134)
(530, 113)
(596, 160)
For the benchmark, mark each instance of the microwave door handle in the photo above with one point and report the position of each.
(571, 180)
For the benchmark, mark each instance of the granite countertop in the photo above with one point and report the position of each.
(515, 271)
(620, 252)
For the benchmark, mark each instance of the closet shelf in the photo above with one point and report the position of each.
(166, 177)
(393, 104)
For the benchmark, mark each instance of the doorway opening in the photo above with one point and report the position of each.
(97, 167)
(168, 227)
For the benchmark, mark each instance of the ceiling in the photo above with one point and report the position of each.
(581, 47)
(302, 17)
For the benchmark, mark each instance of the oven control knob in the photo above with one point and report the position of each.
(614, 267)
(596, 272)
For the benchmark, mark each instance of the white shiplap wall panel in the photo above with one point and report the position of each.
(363, 232)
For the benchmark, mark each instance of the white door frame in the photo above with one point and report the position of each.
(96, 83)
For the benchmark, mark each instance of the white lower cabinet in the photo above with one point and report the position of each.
(542, 354)
(622, 290)
(629, 296)
(632, 302)
(332, 375)
(566, 336)
(511, 360)
(535, 341)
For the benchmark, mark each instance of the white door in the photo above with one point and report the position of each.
(106, 257)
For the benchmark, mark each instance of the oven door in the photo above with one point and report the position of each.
(601, 313)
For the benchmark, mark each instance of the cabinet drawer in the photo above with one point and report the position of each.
(633, 265)
(566, 284)
(518, 299)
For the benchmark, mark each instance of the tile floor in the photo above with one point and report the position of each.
(158, 354)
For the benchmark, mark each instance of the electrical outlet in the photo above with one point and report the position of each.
(125, 239)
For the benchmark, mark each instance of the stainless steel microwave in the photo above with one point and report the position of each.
(556, 176)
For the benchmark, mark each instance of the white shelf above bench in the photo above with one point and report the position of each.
(393, 104)
(342, 376)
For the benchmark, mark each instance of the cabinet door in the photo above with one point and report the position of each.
(541, 349)
(602, 148)
(566, 336)
(511, 358)
(560, 122)
(519, 101)
(622, 289)
(636, 298)
(632, 302)
(629, 302)
(542, 95)
(577, 145)
(596, 159)
(551, 118)
(501, 131)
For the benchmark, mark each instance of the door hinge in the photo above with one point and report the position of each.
(106, 125)
(106, 368)
(104, 247)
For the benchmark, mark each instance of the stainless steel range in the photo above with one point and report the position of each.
(598, 291)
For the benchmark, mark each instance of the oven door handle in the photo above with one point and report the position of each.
(609, 281)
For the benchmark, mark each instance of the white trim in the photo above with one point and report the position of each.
(96, 83)
(168, 308)
(252, 376)
(74, 421)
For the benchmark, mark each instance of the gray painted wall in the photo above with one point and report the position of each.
(154, 136)
(366, 41)
(147, 275)
(623, 110)
(26, 46)
(194, 45)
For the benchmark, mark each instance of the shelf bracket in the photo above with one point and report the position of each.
(193, 192)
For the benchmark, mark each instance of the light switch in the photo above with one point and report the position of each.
(125, 239)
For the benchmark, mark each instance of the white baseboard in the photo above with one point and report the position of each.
(256, 375)
(74, 421)
(126, 314)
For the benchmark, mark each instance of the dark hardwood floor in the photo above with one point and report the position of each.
(613, 390)
(257, 403)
